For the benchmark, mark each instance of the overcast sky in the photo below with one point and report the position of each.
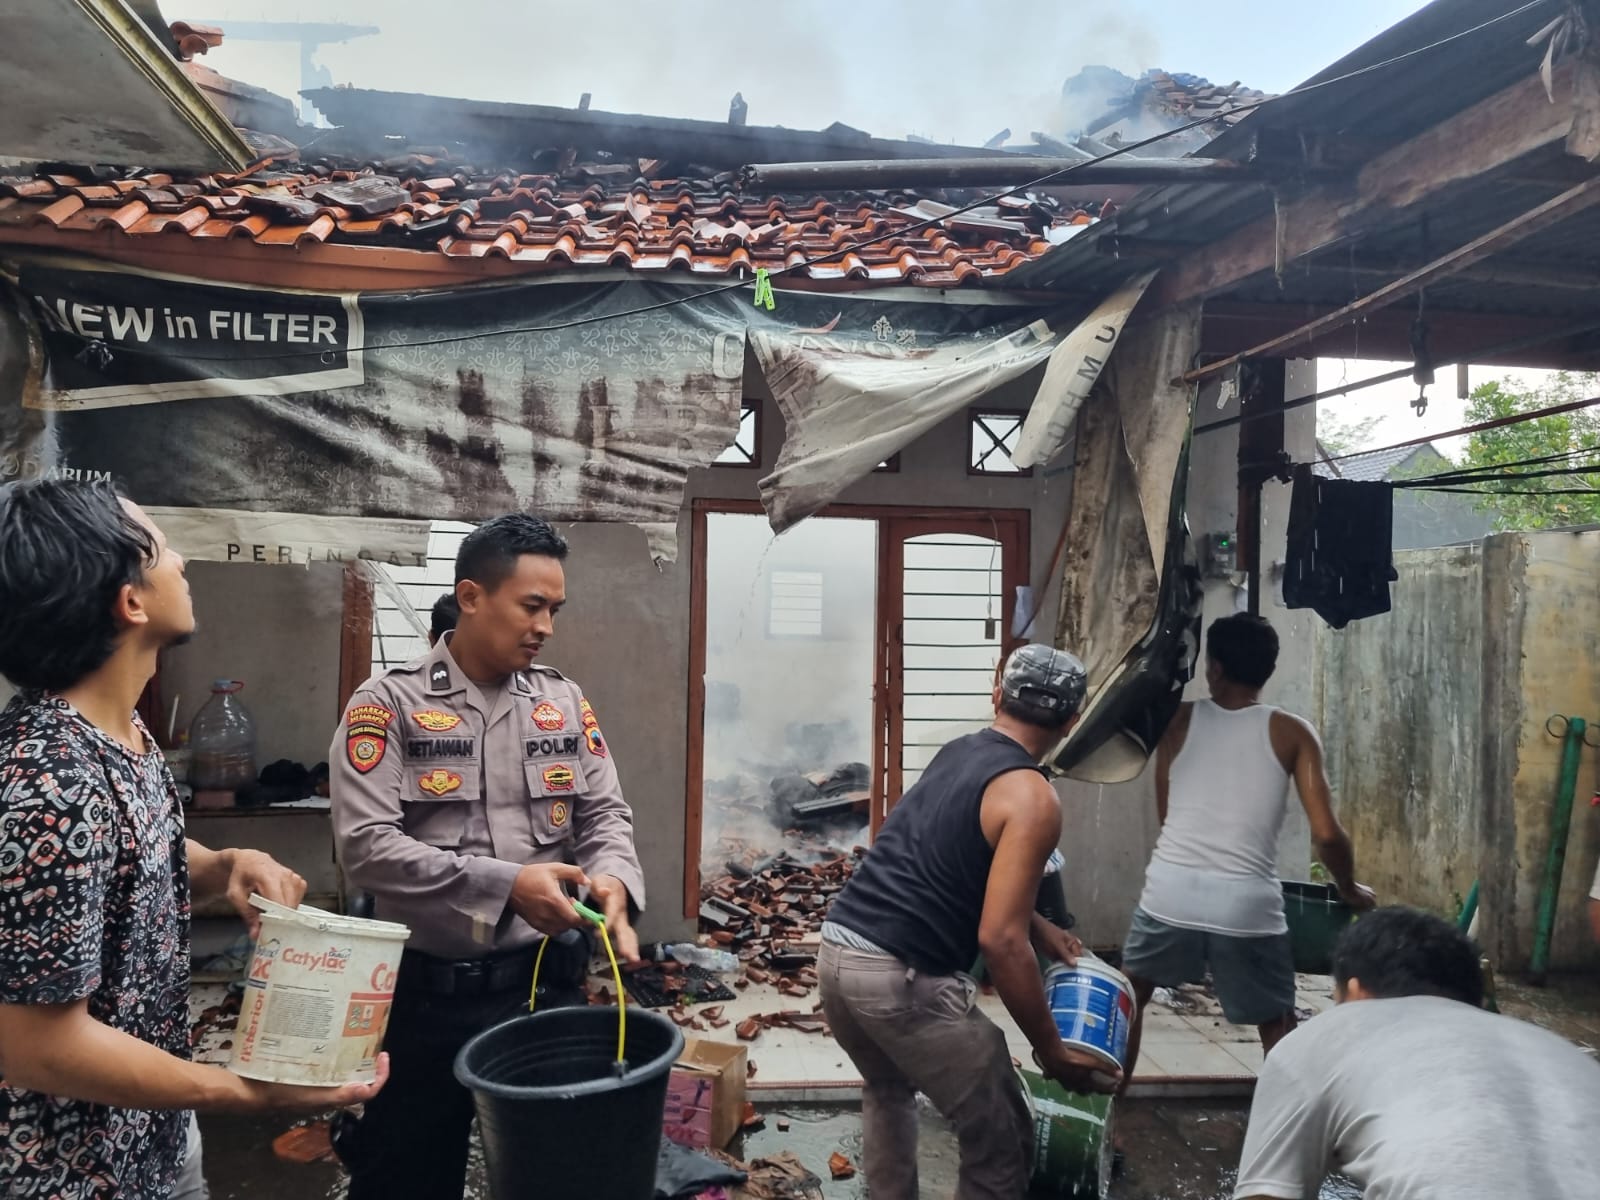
(953, 70)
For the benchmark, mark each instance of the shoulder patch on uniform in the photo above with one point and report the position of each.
(367, 735)
(596, 743)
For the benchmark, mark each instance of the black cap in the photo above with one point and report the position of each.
(1051, 682)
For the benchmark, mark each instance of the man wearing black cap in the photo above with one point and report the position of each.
(954, 872)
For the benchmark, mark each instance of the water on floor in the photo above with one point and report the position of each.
(1175, 1150)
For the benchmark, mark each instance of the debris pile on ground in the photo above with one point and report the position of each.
(305, 1144)
(209, 1030)
(777, 1177)
(671, 984)
(768, 910)
(819, 797)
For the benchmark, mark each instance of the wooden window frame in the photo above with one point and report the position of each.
(355, 634)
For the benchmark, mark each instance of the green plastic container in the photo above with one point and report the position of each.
(1072, 1142)
(1316, 918)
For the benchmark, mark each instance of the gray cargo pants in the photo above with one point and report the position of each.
(909, 1032)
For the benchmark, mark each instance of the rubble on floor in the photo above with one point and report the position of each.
(776, 1177)
(767, 910)
(213, 1018)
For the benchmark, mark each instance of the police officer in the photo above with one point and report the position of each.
(472, 790)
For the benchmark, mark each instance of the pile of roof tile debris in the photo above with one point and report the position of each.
(211, 1028)
(768, 911)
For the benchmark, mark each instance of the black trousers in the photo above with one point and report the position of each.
(411, 1142)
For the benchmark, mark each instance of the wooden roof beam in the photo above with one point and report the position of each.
(1536, 220)
(1490, 135)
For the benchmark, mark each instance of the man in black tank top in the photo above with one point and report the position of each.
(954, 873)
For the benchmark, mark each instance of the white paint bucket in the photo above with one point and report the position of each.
(317, 997)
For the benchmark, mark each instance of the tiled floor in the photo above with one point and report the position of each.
(1186, 1041)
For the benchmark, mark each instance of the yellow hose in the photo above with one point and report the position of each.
(616, 974)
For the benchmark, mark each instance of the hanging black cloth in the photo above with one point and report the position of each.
(1340, 559)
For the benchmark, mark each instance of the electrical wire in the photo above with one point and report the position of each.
(1509, 470)
(806, 264)
(1553, 410)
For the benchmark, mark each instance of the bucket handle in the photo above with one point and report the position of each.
(598, 920)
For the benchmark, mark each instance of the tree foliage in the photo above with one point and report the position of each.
(1345, 437)
(1539, 438)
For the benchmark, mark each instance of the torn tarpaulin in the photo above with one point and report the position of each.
(860, 388)
(1129, 609)
(1071, 374)
(393, 405)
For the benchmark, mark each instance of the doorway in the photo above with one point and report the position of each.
(827, 667)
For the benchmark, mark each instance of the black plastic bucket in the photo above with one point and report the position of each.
(556, 1116)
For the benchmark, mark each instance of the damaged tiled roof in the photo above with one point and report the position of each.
(1191, 98)
(588, 218)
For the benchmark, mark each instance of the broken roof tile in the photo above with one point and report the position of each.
(537, 222)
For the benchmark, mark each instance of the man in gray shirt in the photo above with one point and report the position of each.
(1413, 1091)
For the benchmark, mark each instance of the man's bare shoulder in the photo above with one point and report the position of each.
(1293, 725)
(1178, 728)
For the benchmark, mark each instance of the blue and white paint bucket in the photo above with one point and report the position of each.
(1093, 1006)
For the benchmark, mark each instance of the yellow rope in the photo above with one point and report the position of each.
(616, 974)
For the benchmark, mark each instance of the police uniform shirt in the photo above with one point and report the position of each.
(442, 792)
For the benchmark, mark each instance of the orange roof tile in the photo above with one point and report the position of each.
(541, 223)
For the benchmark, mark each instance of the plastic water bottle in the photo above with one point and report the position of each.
(718, 961)
(222, 742)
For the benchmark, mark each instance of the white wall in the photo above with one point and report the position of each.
(277, 629)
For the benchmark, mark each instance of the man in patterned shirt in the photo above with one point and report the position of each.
(96, 876)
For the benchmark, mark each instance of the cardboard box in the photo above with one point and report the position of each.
(705, 1095)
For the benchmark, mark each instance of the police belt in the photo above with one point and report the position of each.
(485, 976)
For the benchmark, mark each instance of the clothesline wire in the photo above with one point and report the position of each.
(1506, 422)
(1513, 469)
(806, 263)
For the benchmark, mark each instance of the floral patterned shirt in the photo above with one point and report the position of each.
(94, 903)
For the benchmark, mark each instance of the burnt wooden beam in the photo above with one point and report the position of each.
(1489, 274)
(1010, 170)
(1536, 220)
(1566, 342)
(1262, 387)
(1486, 137)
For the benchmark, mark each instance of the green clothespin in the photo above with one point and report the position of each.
(764, 297)
(588, 914)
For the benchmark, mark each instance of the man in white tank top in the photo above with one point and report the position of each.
(1212, 896)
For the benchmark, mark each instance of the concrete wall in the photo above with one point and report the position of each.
(277, 629)
(1401, 709)
(1559, 623)
(1435, 720)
